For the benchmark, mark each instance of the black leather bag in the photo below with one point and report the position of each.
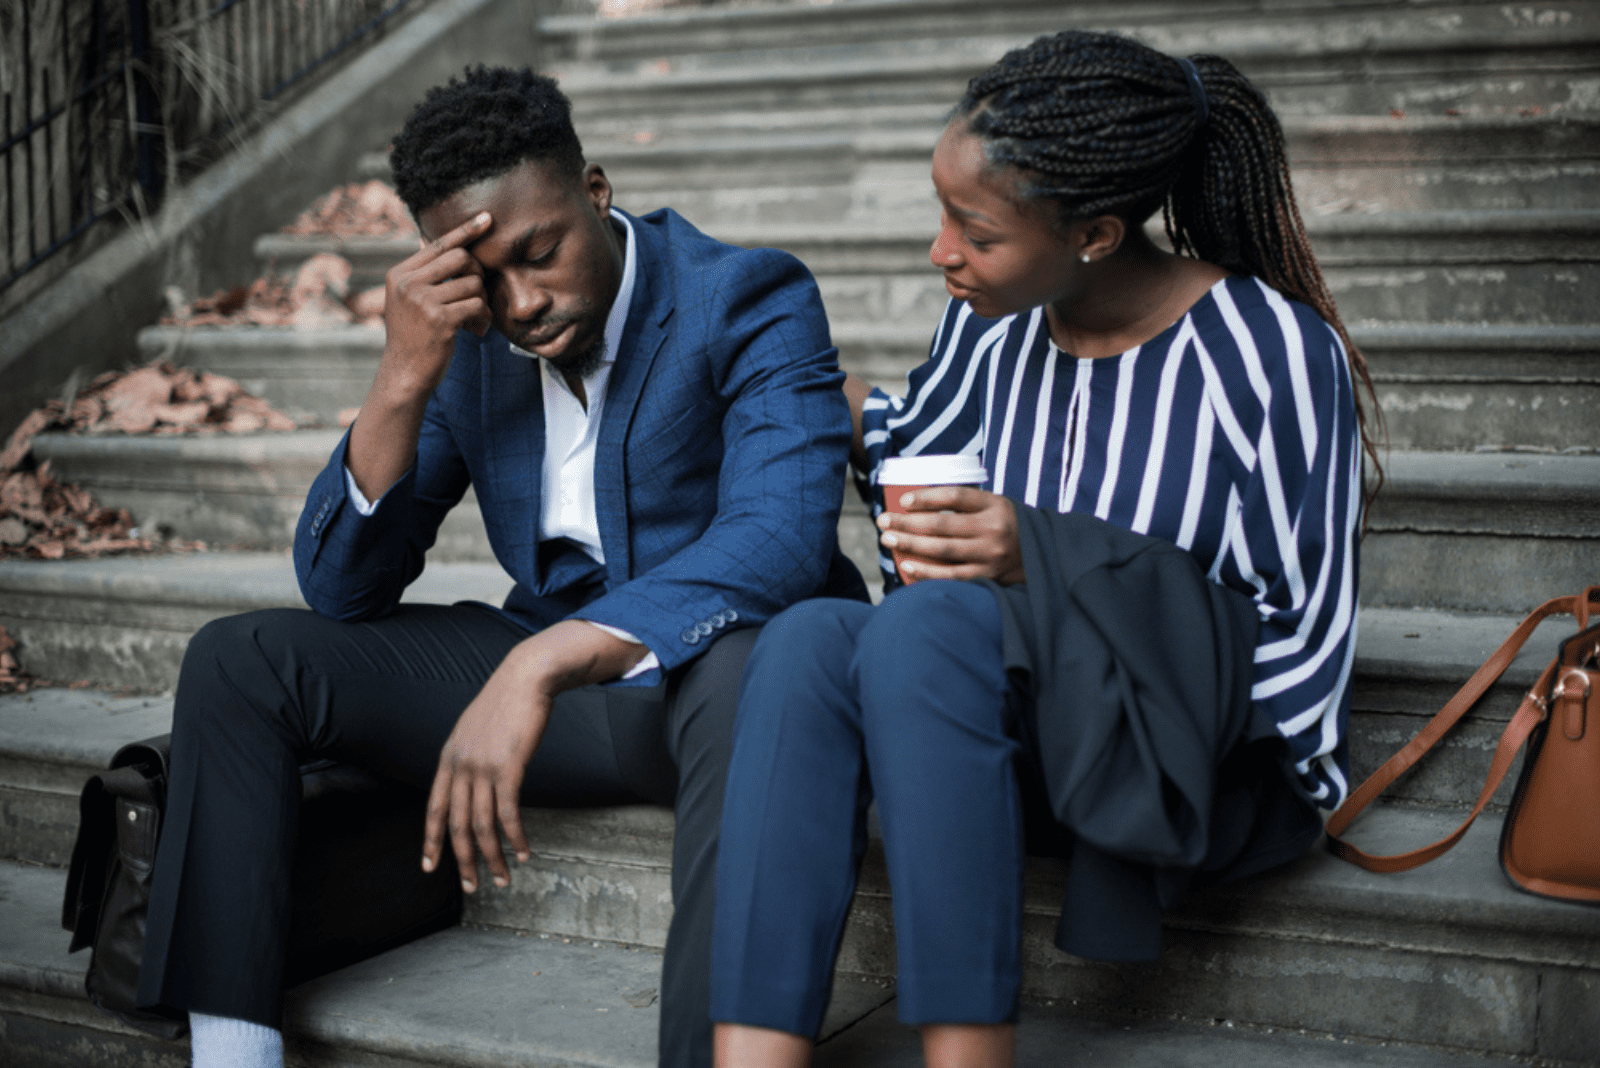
(357, 888)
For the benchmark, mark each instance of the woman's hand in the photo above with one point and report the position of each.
(954, 532)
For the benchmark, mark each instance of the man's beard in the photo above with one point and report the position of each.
(582, 362)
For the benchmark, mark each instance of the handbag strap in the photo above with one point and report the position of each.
(1528, 715)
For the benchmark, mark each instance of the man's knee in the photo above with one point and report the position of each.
(230, 658)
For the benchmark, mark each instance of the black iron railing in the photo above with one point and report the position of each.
(104, 102)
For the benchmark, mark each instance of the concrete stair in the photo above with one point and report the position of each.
(1446, 956)
(1447, 160)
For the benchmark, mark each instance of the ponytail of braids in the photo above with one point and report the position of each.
(1104, 125)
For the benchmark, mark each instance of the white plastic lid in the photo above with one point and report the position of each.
(960, 469)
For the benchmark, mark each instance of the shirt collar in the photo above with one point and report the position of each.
(618, 319)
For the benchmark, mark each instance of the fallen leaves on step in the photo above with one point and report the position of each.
(370, 209)
(47, 519)
(12, 677)
(318, 297)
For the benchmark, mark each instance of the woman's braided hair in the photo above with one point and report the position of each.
(1104, 125)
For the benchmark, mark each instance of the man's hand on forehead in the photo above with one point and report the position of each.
(432, 294)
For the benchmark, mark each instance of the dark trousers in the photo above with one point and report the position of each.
(908, 702)
(263, 693)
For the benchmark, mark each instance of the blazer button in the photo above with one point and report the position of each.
(703, 628)
(690, 636)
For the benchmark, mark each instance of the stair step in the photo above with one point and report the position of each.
(1482, 531)
(779, 177)
(1341, 66)
(311, 374)
(770, 34)
(1473, 531)
(542, 1000)
(548, 1001)
(232, 491)
(1413, 938)
(1409, 663)
(125, 621)
(1442, 385)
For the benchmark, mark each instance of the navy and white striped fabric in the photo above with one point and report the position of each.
(1232, 434)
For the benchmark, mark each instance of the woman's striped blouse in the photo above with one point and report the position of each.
(1232, 433)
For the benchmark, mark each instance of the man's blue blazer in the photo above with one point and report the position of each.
(719, 469)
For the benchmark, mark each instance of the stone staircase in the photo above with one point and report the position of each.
(1447, 159)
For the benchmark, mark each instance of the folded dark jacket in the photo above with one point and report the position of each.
(1135, 671)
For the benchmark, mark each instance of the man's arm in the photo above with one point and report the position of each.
(430, 295)
(353, 564)
(784, 442)
(481, 766)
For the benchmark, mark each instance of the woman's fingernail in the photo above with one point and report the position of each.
(427, 865)
(907, 500)
(522, 858)
(468, 885)
(890, 540)
(501, 881)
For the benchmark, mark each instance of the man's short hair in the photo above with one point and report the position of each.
(482, 125)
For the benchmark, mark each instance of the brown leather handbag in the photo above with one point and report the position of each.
(1550, 844)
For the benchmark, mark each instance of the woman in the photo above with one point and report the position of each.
(1121, 397)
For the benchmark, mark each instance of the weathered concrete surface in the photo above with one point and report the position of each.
(462, 997)
(201, 237)
(1474, 572)
(125, 621)
(315, 373)
(230, 491)
(1055, 1034)
(51, 740)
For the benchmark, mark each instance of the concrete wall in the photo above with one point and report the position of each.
(202, 237)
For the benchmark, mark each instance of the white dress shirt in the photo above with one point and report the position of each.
(566, 507)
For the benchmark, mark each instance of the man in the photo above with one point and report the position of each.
(653, 427)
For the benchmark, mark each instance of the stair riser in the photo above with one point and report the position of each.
(1453, 417)
(45, 1031)
(787, 195)
(1530, 294)
(36, 825)
(309, 374)
(1296, 85)
(106, 641)
(1400, 996)
(1454, 772)
(1415, 994)
(569, 892)
(1474, 573)
(1433, 413)
(1374, 992)
(1310, 29)
(238, 506)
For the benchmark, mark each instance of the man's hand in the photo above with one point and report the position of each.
(428, 297)
(480, 768)
(954, 532)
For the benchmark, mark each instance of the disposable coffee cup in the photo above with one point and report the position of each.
(901, 474)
